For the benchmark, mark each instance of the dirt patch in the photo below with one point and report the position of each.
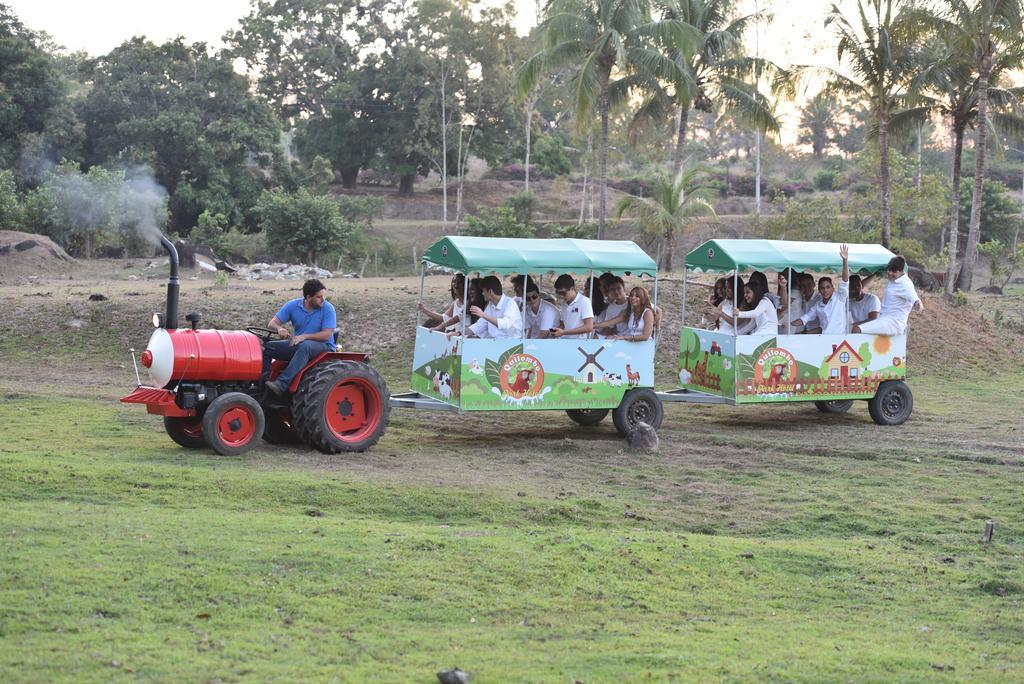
(26, 254)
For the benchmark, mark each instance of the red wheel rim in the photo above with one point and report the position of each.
(236, 426)
(193, 427)
(353, 409)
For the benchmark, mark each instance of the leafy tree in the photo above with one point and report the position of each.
(669, 208)
(36, 120)
(11, 215)
(188, 115)
(1003, 261)
(211, 230)
(550, 156)
(301, 224)
(999, 210)
(879, 48)
(595, 38)
(819, 126)
(501, 222)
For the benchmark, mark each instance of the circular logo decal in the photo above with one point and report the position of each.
(444, 250)
(521, 375)
(775, 369)
(711, 253)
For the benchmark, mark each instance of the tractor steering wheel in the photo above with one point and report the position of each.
(265, 334)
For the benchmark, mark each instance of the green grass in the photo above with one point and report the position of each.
(752, 550)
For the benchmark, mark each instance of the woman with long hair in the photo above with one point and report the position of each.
(453, 314)
(641, 319)
(792, 306)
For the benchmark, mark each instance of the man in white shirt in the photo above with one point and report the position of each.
(541, 317)
(899, 300)
(808, 292)
(863, 306)
(615, 294)
(830, 313)
(576, 311)
(501, 319)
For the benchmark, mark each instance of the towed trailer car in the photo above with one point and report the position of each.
(830, 370)
(586, 378)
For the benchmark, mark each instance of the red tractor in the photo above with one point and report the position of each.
(207, 385)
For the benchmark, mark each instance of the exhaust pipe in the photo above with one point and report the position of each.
(173, 285)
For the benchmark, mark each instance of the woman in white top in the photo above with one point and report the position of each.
(640, 317)
(453, 314)
(759, 309)
(723, 315)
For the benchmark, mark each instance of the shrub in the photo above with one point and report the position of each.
(522, 205)
(579, 231)
(498, 223)
(549, 155)
(301, 224)
(10, 210)
(210, 230)
(826, 180)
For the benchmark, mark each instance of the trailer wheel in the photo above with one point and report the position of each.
(835, 406)
(186, 432)
(233, 423)
(892, 403)
(639, 405)
(587, 417)
(341, 406)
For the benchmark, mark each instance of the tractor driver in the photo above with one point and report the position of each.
(314, 321)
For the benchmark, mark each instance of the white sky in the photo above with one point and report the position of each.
(96, 26)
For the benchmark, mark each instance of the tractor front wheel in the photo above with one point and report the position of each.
(341, 406)
(186, 432)
(233, 423)
(639, 405)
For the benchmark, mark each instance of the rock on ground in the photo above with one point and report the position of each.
(643, 437)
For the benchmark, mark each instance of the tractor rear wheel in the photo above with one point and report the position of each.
(341, 406)
(587, 417)
(639, 405)
(186, 432)
(834, 406)
(233, 423)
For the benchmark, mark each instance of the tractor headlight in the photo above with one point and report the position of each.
(158, 320)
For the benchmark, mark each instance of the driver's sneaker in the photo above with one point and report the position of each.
(274, 387)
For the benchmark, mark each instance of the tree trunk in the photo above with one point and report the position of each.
(349, 177)
(669, 239)
(954, 218)
(602, 214)
(88, 245)
(405, 184)
(526, 166)
(677, 157)
(757, 174)
(974, 227)
(444, 149)
(883, 185)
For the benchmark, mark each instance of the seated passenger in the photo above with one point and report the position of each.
(597, 301)
(453, 314)
(792, 307)
(722, 316)
(541, 317)
(762, 310)
(517, 287)
(899, 300)
(612, 321)
(641, 319)
(501, 319)
(762, 280)
(808, 292)
(576, 313)
(864, 307)
(830, 313)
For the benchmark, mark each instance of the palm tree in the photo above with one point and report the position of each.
(879, 49)
(671, 205)
(947, 86)
(989, 29)
(716, 69)
(819, 124)
(606, 43)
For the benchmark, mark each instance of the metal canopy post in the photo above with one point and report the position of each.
(523, 335)
(789, 303)
(465, 304)
(682, 313)
(423, 275)
(735, 302)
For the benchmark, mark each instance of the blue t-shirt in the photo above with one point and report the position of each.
(309, 322)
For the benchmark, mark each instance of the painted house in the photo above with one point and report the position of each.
(844, 364)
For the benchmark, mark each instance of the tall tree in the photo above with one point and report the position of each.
(819, 124)
(990, 28)
(879, 48)
(608, 45)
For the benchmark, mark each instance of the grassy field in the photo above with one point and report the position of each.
(759, 543)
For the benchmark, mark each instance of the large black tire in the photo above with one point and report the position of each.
(280, 429)
(186, 432)
(587, 417)
(834, 406)
(341, 406)
(233, 424)
(638, 405)
(892, 404)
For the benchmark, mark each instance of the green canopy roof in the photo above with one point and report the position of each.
(520, 255)
(775, 255)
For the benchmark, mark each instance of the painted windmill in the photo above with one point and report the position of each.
(590, 371)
